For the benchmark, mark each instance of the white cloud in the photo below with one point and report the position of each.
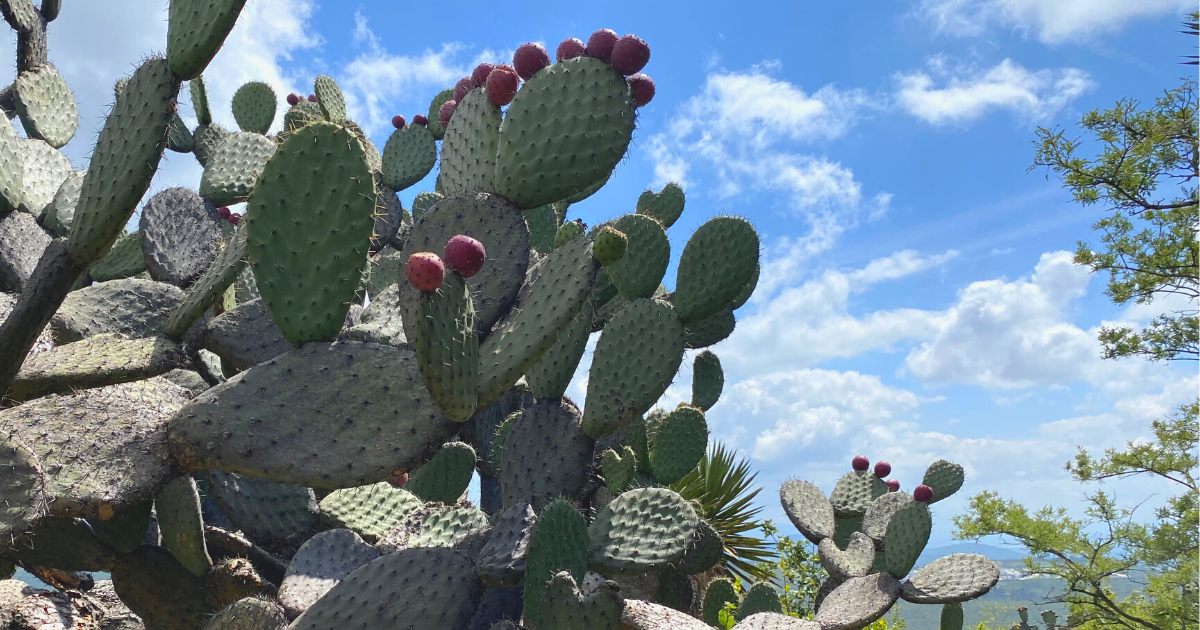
(966, 93)
(747, 128)
(1051, 21)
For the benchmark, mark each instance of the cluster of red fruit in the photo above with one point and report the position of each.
(231, 217)
(627, 54)
(294, 98)
(465, 255)
(418, 119)
(922, 493)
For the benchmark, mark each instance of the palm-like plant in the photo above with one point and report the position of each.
(1193, 29)
(723, 488)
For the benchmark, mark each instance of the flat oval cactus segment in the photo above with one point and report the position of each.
(640, 530)
(858, 602)
(447, 346)
(45, 170)
(106, 359)
(879, 514)
(945, 478)
(719, 259)
(408, 156)
(854, 492)
(233, 169)
(444, 478)
(501, 563)
(195, 31)
(775, 621)
(371, 511)
(178, 508)
(665, 206)
(225, 269)
(955, 578)
(546, 455)
(12, 171)
(435, 126)
(254, 106)
(330, 98)
(250, 613)
(265, 510)
(558, 542)
(46, 105)
(319, 565)
(566, 608)
(469, 147)
(907, 534)
(855, 561)
(639, 272)
(678, 444)
(181, 234)
(23, 483)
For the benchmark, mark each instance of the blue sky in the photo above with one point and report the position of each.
(918, 299)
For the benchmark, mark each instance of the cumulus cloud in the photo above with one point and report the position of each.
(951, 93)
(1051, 21)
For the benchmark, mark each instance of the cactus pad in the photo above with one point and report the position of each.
(641, 529)
(776, 621)
(61, 210)
(720, 592)
(178, 508)
(665, 206)
(408, 156)
(66, 544)
(133, 307)
(97, 361)
(233, 169)
(642, 615)
(23, 484)
(855, 561)
(435, 126)
(46, 105)
(371, 511)
(565, 608)
(447, 345)
(558, 542)
(808, 509)
(250, 613)
(955, 578)
(448, 528)
(22, 242)
(641, 270)
(152, 583)
(501, 564)
(854, 492)
(264, 509)
(707, 380)
(330, 98)
(711, 330)
(124, 260)
(469, 147)
(944, 477)
(716, 264)
(423, 202)
(635, 360)
(880, 512)
(706, 550)
(124, 160)
(545, 455)
(760, 598)
(319, 565)
(206, 140)
(224, 270)
(619, 469)
(12, 171)
(221, 429)
(254, 107)
(440, 591)
(567, 127)
(195, 32)
(552, 374)
(678, 444)
(181, 234)
(952, 617)
(306, 273)
(907, 533)
(45, 169)
(444, 478)
(245, 336)
(199, 95)
(858, 602)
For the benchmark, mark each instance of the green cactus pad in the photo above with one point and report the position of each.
(444, 336)
(181, 234)
(543, 223)
(747, 290)
(22, 243)
(24, 16)
(435, 106)
(558, 542)
(244, 336)
(553, 293)
(552, 374)
(854, 492)
(201, 295)
(264, 509)
(254, 107)
(206, 140)
(330, 98)
(61, 210)
(152, 583)
(589, 191)
(566, 232)
(372, 511)
(126, 529)
(319, 565)
(179, 137)
(423, 202)
(907, 534)
(408, 156)
(195, 31)
(12, 171)
(944, 477)
(296, 392)
(609, 246)
(299, 115)
(178, 508)
(955, 578)
(45, 170)
(546, 456)
(392, 222)
(98, 447)
(124, 260)
(635, 360)
(759, 599)
(97, 361)
(855, 561)
(619, 469)
(565, 608)
(23, 484)
(717, 262)
(879, 514)
(637, 436)
(952, 617)
(501, 563)
(720, 592)
(640, 530)
(665, 206)
(567, 127)
(199, 96)
(124, 160)
(707, 380)
(678, 444)
(641, 270)
(858, 602)
(132, 307)
(706, 550)
(469, 146)
(250, 613)
(441, 592)
(46, 105)
(306, 273)
(444, 478)
(448, 528)
(66, 544)
(843, 528)
(709, 331)
(233, 169)
(808, 509)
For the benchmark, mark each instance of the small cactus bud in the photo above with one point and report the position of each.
(600, 44)
(570, 48)
(446, 112)
(425, 271)
(882, 469)
(609, 246)
(630, 54)
(529, 58)
(642, 88)
(479, 75)
(398, 121)
(923, 493)
(420, 120)
(860, 462)
(502, 85)
(568, 231)
(293, 98)
(893, 485)
(465, 255)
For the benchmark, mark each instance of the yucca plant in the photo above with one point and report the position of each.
(725, 490)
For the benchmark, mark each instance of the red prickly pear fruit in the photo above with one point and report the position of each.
(399, 478)
(235, 218)
(446, 111)
(420, 120)
(425, 271)
(312, 98)
(882, 469)
(465, 255)
(642, 88)
(293, 98)
(893, 485)
(630, 54)
(223, 212)
(600, 44)
(860, 462)
(923, 493)
(461, 88)
(529, 58)
(398, 121)
(502, 85)
(570, 48)
(480, 74)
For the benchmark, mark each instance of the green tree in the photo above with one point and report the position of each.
(1146, 175)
